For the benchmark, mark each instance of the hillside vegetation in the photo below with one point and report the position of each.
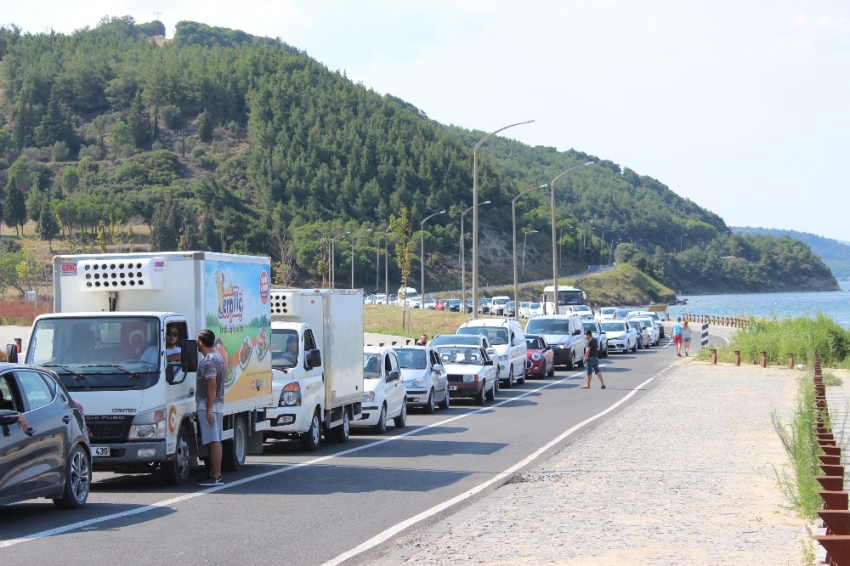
(225, 141)
(834, 253)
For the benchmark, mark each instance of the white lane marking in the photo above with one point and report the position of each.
(173, 501)
(396, 529)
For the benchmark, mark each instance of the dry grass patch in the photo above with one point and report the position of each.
(382, 319)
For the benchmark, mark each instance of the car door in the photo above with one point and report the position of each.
(439, 377)
(519, 351)
(50, 418)
(394, 387)
(16, 473)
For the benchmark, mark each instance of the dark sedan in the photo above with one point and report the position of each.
(541, 358)
(44, 448)
(454, 305)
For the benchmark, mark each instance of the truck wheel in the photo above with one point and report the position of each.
(571, 362)
(176, 472)
(429, 406)
(342, 431)
(77, 480)
(311, 439)
(401, 419)
(381, 426)
(235, 451)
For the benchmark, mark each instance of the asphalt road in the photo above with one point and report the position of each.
(289, 507)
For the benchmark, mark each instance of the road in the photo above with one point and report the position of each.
(288, 507)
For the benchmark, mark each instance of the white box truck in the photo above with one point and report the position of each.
(317, 356)
(106, 340)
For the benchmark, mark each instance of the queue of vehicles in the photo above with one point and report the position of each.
(114, 364)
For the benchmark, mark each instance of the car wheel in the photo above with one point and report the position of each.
(381, 426)
(176, 471)
(446, 402)
(77, 480)
(551, 372)
(522, 379)
(235, 450)
(496, 386)
(509, 382)
(311, 439)
(401, 419)
(343, 431)
(479, 398)
(635, 347)
(571, 362)
(429, 406)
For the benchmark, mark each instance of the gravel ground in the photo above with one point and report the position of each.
(683, 476)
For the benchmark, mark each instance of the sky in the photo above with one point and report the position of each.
(741, 107)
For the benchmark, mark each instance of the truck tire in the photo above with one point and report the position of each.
(341, 432)
(176, 472)
(401, 420)
(311, 439)
(235, 451)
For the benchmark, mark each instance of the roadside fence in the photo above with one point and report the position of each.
(716, 320)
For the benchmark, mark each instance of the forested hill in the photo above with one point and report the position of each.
(222, 140)
(834, 253)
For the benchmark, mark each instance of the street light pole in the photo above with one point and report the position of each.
(422, 257)
(524, 243)
(352, 256)
(463, 259)
(478, 145)
(513, 224)
(333, 257)
(554, 241)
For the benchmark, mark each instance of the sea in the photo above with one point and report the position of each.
(835, 304)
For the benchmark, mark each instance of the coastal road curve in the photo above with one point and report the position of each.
(291, 507)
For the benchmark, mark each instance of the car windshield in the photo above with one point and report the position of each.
(453, 355)
(548, 326)
(634, 324)
(613, 327)
(99, 352)
(501, 301)
(371, 366)
(607, 311)
(412, 358)
(621, 313)
(496, 334)
(455, 339)
(454, 302)
(284, 348)
(533, 343)
(590, 326)
(535, 305)
(581, 308)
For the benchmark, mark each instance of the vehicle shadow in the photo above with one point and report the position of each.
(513, 403)
(441, 430)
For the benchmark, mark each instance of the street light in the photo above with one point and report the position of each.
(422, 256)
(554, 241)
(513, 223)
(524, 243)
(333, 258)
(463, 259)
(475, 149)
(352, 255)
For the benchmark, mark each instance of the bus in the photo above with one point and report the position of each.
(567, 297)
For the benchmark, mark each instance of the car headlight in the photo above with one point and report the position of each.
(416, 383)
(290, 396)
(562, 346)
(469, 378)
(149, 425)
(536, 356)
(369, 397)
(504, 358)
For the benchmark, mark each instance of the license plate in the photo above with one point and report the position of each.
(452, 387)
(100, 451)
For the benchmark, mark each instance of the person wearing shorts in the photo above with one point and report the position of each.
(209, 395)
(677, 336)
(591, 360)
(686, 336)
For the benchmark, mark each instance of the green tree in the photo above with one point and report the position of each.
(48, 225)
(70, 179)
(121, 135)
(57, 124)
(139, 120)
(35, 200)
(205, 126)
(400, 232)
(15, 210)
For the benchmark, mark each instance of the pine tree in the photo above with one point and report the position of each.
(48, 226)
(139, 120)
(56, 124)
(24, 123)
(15, 208)
(205, 126)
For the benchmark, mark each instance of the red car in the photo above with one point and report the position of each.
(440, 305)
(541, 359)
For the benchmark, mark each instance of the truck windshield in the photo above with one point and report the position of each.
(99, 352)
(284, 348)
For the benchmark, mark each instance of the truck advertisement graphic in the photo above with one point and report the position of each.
(237, 312)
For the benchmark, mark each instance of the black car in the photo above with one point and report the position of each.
(44, 448)
(454, 305)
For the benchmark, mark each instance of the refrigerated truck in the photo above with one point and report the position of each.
(106, 340)
(317, 356)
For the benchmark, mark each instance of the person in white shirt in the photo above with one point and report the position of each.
(172, 350)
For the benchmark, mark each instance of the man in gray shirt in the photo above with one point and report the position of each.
(209, 395)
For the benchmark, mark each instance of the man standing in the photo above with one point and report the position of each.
(591, 359)
(210, 401)
(423, 340)
(677, 336)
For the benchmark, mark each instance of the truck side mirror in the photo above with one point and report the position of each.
(189, 356)
(314, 359)
(170, 370)
(12, 353)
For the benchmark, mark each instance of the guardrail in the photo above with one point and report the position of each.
(716, 320)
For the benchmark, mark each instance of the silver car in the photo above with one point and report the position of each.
(424, 377)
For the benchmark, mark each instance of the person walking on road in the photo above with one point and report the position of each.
(677, 336)
(686, 336)
(591, 359)
(209, 395)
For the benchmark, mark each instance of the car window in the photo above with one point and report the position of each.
(496, 334)
(533, 344)
(7, 396)
(412, 358)
(613, 327)
(35, 390)
(393, 360)
(371, 366)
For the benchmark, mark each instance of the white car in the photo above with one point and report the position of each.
(656, 319)
(535, 309)
(642, 331)
(384, 391)
(652, 327)
(606, 313)
(584, 311)
(621, 336)
(471, 372)
(497, 307)
(425, 378)
(380, 299)
(508, 339)
(523, 309)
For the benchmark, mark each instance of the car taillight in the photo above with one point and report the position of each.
(79, 407)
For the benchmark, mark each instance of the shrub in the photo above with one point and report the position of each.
(205, 126)
(37, 153)
(119, 136)
(92, 151)
(208, 162)
(198, 151)
(172, 116)
(156, 146)
(59, 151)
(70, 179)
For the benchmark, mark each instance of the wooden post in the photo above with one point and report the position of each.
(737, 357)
(714, 356)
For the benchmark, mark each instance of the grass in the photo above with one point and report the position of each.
(831, 380)
(802, 336)
(797, 479)
(22, 313)
(382, 319)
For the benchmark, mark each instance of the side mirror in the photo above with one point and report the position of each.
(314, 359)
(491, 352)
(189, 356)
(170, 371)
(488, 362)
(12, 356)
(393, 376)
(8, 417)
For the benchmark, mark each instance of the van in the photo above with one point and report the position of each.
(565, 335)
(508, 339)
